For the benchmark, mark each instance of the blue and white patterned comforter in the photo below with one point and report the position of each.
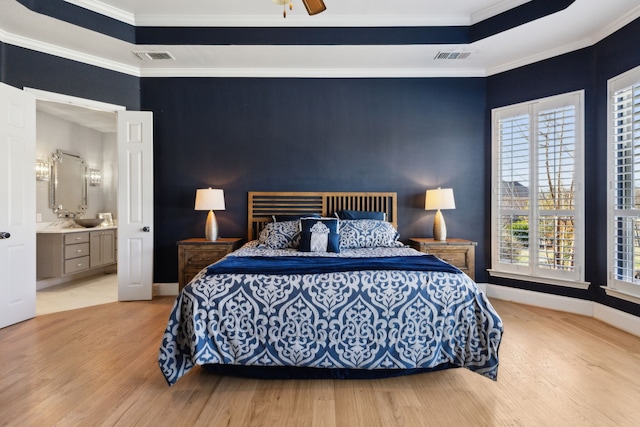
(369, 320)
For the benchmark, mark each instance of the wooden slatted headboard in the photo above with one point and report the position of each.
(264, 204)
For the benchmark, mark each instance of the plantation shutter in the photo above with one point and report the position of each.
(626, 183)
(556, 188)
(537, 225)
(513, 193)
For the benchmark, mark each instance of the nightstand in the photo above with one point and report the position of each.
(197, 253)
(457, 252)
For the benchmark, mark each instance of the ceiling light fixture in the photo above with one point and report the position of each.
(313, 6)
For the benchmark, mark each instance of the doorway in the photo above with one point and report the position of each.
(91, 134)
(135, 228)
(131, 173)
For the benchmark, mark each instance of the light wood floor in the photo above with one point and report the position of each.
(97, 366)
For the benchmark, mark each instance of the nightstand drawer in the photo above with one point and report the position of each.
(200, 258)
(197, 253)
(457, 252)
(454, 257)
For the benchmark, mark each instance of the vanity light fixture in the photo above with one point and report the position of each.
(441, 198)
(95, 177)
(43, 171)
(210, 199)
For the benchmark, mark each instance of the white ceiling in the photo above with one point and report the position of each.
(581, 24)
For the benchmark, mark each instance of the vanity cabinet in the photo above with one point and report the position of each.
(67, 253)
(102, 248)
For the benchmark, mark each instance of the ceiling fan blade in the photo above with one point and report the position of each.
(314, 6)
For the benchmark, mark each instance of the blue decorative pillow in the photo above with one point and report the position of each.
(280, 218)
(319, 235)
(280, 235)
(350, 214)
(368, 233)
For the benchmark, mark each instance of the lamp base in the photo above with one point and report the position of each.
(211, 227)
(439, 227)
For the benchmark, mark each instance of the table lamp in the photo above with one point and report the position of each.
(210, 199)
(441, 198)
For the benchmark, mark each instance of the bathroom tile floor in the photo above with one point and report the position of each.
(99, 289)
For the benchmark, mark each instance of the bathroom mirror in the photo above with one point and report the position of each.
(68, 190)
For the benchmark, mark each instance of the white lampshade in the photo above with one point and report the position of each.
(209, 199)
(441, 198)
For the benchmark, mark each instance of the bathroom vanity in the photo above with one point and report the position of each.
(78, 244)
(64, 252)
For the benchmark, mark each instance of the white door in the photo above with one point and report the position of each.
(135, 205)
(17, 206)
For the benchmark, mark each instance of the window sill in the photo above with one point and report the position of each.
(542, 280)
(621, 295)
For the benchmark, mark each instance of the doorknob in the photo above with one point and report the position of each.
(4, 235)
(146, 229)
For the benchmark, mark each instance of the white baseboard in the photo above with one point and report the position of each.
(165, 289)
(619, 319)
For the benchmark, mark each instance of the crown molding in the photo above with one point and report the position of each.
(614, 26)
(65, 53)
(105, 9)
(540, 56)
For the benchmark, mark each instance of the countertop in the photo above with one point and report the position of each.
(69, 227)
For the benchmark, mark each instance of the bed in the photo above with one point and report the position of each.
(311, 295)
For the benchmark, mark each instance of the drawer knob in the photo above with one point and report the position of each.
(4, 235)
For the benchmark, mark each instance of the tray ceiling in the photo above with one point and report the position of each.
(380, 41)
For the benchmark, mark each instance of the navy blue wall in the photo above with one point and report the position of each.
(21, 67)
(403, 135)
(588, 70)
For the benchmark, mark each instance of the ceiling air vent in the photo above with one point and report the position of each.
(452, 55)
(153, 56)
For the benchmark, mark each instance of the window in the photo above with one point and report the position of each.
(623, 246)
(537, 204)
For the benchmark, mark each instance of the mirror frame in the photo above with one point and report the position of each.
(56, 187)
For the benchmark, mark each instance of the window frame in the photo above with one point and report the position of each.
(532, 271)
(618, 288)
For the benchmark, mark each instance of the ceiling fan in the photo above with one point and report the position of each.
(313, 6)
